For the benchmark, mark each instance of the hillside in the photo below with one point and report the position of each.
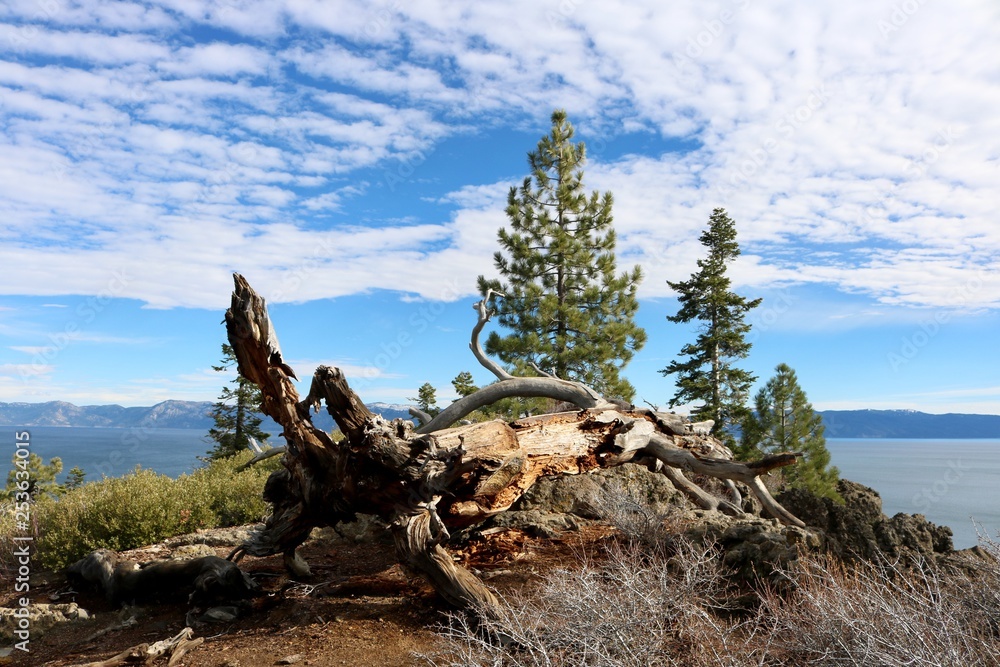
(168, 414)
(195, 415)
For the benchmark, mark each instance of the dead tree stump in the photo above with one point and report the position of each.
(424, 481)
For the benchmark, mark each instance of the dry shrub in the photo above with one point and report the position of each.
(883, 613)
(656, 598)
(636, 520)
(635, 608)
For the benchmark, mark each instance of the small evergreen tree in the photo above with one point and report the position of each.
(32, 475)
(784, 421)
(426, 399)
(709, 374)
(463, 384)
(236, 414)
(569, 311)
(75, 478)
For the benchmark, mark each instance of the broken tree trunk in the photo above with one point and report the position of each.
(424, 482)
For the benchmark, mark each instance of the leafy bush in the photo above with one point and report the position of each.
(235, 498)
(143, 508)
(118, 513)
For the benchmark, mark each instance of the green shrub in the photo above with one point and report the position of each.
(143, 508)
(235, 498)
(117, 513)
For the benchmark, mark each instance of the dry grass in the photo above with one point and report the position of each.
(633, 607)
(880, 614)
(640, 605)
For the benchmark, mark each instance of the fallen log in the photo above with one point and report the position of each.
(425, 481)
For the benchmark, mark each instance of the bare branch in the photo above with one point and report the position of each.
(698, 495)
(561, 390)
(176, 647)
(266, 454)
(664, 449)
(538, 370)
(482, 307)
(420, 415)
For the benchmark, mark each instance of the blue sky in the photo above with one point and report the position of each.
(352, 159)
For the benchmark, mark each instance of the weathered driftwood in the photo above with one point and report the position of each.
(425, 481)
(144, 654)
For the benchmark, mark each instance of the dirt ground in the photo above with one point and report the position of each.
(358, 608)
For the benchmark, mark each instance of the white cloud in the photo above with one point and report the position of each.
(355, 372)
(25, 371)
(216, 59)
(29, 349)
(93, 47)
(849, 154)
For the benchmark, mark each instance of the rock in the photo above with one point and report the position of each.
(536, 523)
(290, 660)
(40, 617)
(224, 614)
(215, 537)
(189, 551)
(858, 530)
(587, 496)
(365, 529)
(754, 548)
(566, 502)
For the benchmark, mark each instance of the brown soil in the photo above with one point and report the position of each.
(359, 608)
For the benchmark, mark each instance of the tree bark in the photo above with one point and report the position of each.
(425, 481)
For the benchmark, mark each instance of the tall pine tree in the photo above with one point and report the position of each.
(236, 413)
(709, 374)
(569, 312)
(784, 421)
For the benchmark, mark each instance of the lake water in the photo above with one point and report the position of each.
(111, 451)
(951, 482)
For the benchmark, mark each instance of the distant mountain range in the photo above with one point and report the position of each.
(908, 424)
(168, 414)
(195, 415)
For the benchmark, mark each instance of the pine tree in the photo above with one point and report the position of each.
(426, 399)
(708, 374)
(784, 421)
(75, 478)
(33, 476)
(570, 314)
(236, 413)
(464, 384)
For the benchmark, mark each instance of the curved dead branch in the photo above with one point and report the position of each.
(420, 415)
(509, 386)
(560, 390)
(698, 495)
(672, 455)
(262, 456)
(482, 308)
